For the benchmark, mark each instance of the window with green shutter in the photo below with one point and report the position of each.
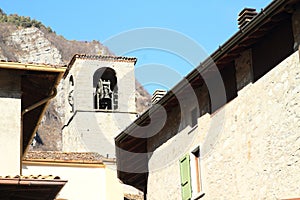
(185, 173)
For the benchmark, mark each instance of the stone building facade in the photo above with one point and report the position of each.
(99, 94)
(256, 152)
(237, 135)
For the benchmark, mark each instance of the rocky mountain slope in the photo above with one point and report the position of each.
(30, 43)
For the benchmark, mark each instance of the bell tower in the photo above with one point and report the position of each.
(99, 99)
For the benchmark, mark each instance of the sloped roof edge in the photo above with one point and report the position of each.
(99, 57)
(264, 16)
(222, 50)
(32, 67)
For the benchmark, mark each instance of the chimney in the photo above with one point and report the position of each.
(245, 16)
(157, 95)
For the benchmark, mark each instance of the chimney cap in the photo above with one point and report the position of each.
(157, 95)
(247, 10)
(245, 16)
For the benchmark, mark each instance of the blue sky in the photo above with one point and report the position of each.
(207, 23)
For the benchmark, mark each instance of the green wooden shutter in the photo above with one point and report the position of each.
(185, 173)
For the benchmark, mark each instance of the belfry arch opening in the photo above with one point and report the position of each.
(71, 93)
(105, 89)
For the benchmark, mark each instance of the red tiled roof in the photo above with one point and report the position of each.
(79, 157)
(133, 196)
(109, 58)
(32, 65)
(30, 187)
(40, 177)
(99, 57)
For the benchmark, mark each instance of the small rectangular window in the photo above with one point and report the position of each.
(194, 117)
(196, 170)
(190, 173)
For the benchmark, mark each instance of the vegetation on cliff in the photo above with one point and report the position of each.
(21, 21)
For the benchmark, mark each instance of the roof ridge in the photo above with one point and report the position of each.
(112, 57)
(84, 157)
(31, 177)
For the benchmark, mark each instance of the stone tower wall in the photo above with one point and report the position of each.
(89, 129)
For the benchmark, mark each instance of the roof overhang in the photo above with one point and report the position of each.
(108, 58)
(267, 19)
(29, 189)
(38, 86)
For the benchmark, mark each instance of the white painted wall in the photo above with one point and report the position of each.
(10, 123)
(114, 188)
(92, 183)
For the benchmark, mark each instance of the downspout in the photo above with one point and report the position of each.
(32, 107)
(41, 102)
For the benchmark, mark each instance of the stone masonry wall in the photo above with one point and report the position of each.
(89, 129)
(83, 71)
(249, 147)
(95, 132)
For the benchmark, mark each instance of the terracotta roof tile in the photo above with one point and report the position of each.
(82, 157)
(40, 177)
(34, 63)
(99, 57)
(109, 58)
(134, 196)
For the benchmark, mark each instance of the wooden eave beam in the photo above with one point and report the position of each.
(32, 67)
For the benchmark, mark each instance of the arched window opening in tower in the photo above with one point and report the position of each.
(71, 94)
(105, 89)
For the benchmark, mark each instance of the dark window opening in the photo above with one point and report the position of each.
(197, 177)
(71, 81)
(105, 89)
(194, 117)
(272, 49)
(219, 97)
(71, 93)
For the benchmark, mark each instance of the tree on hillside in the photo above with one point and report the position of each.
(21, 21)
